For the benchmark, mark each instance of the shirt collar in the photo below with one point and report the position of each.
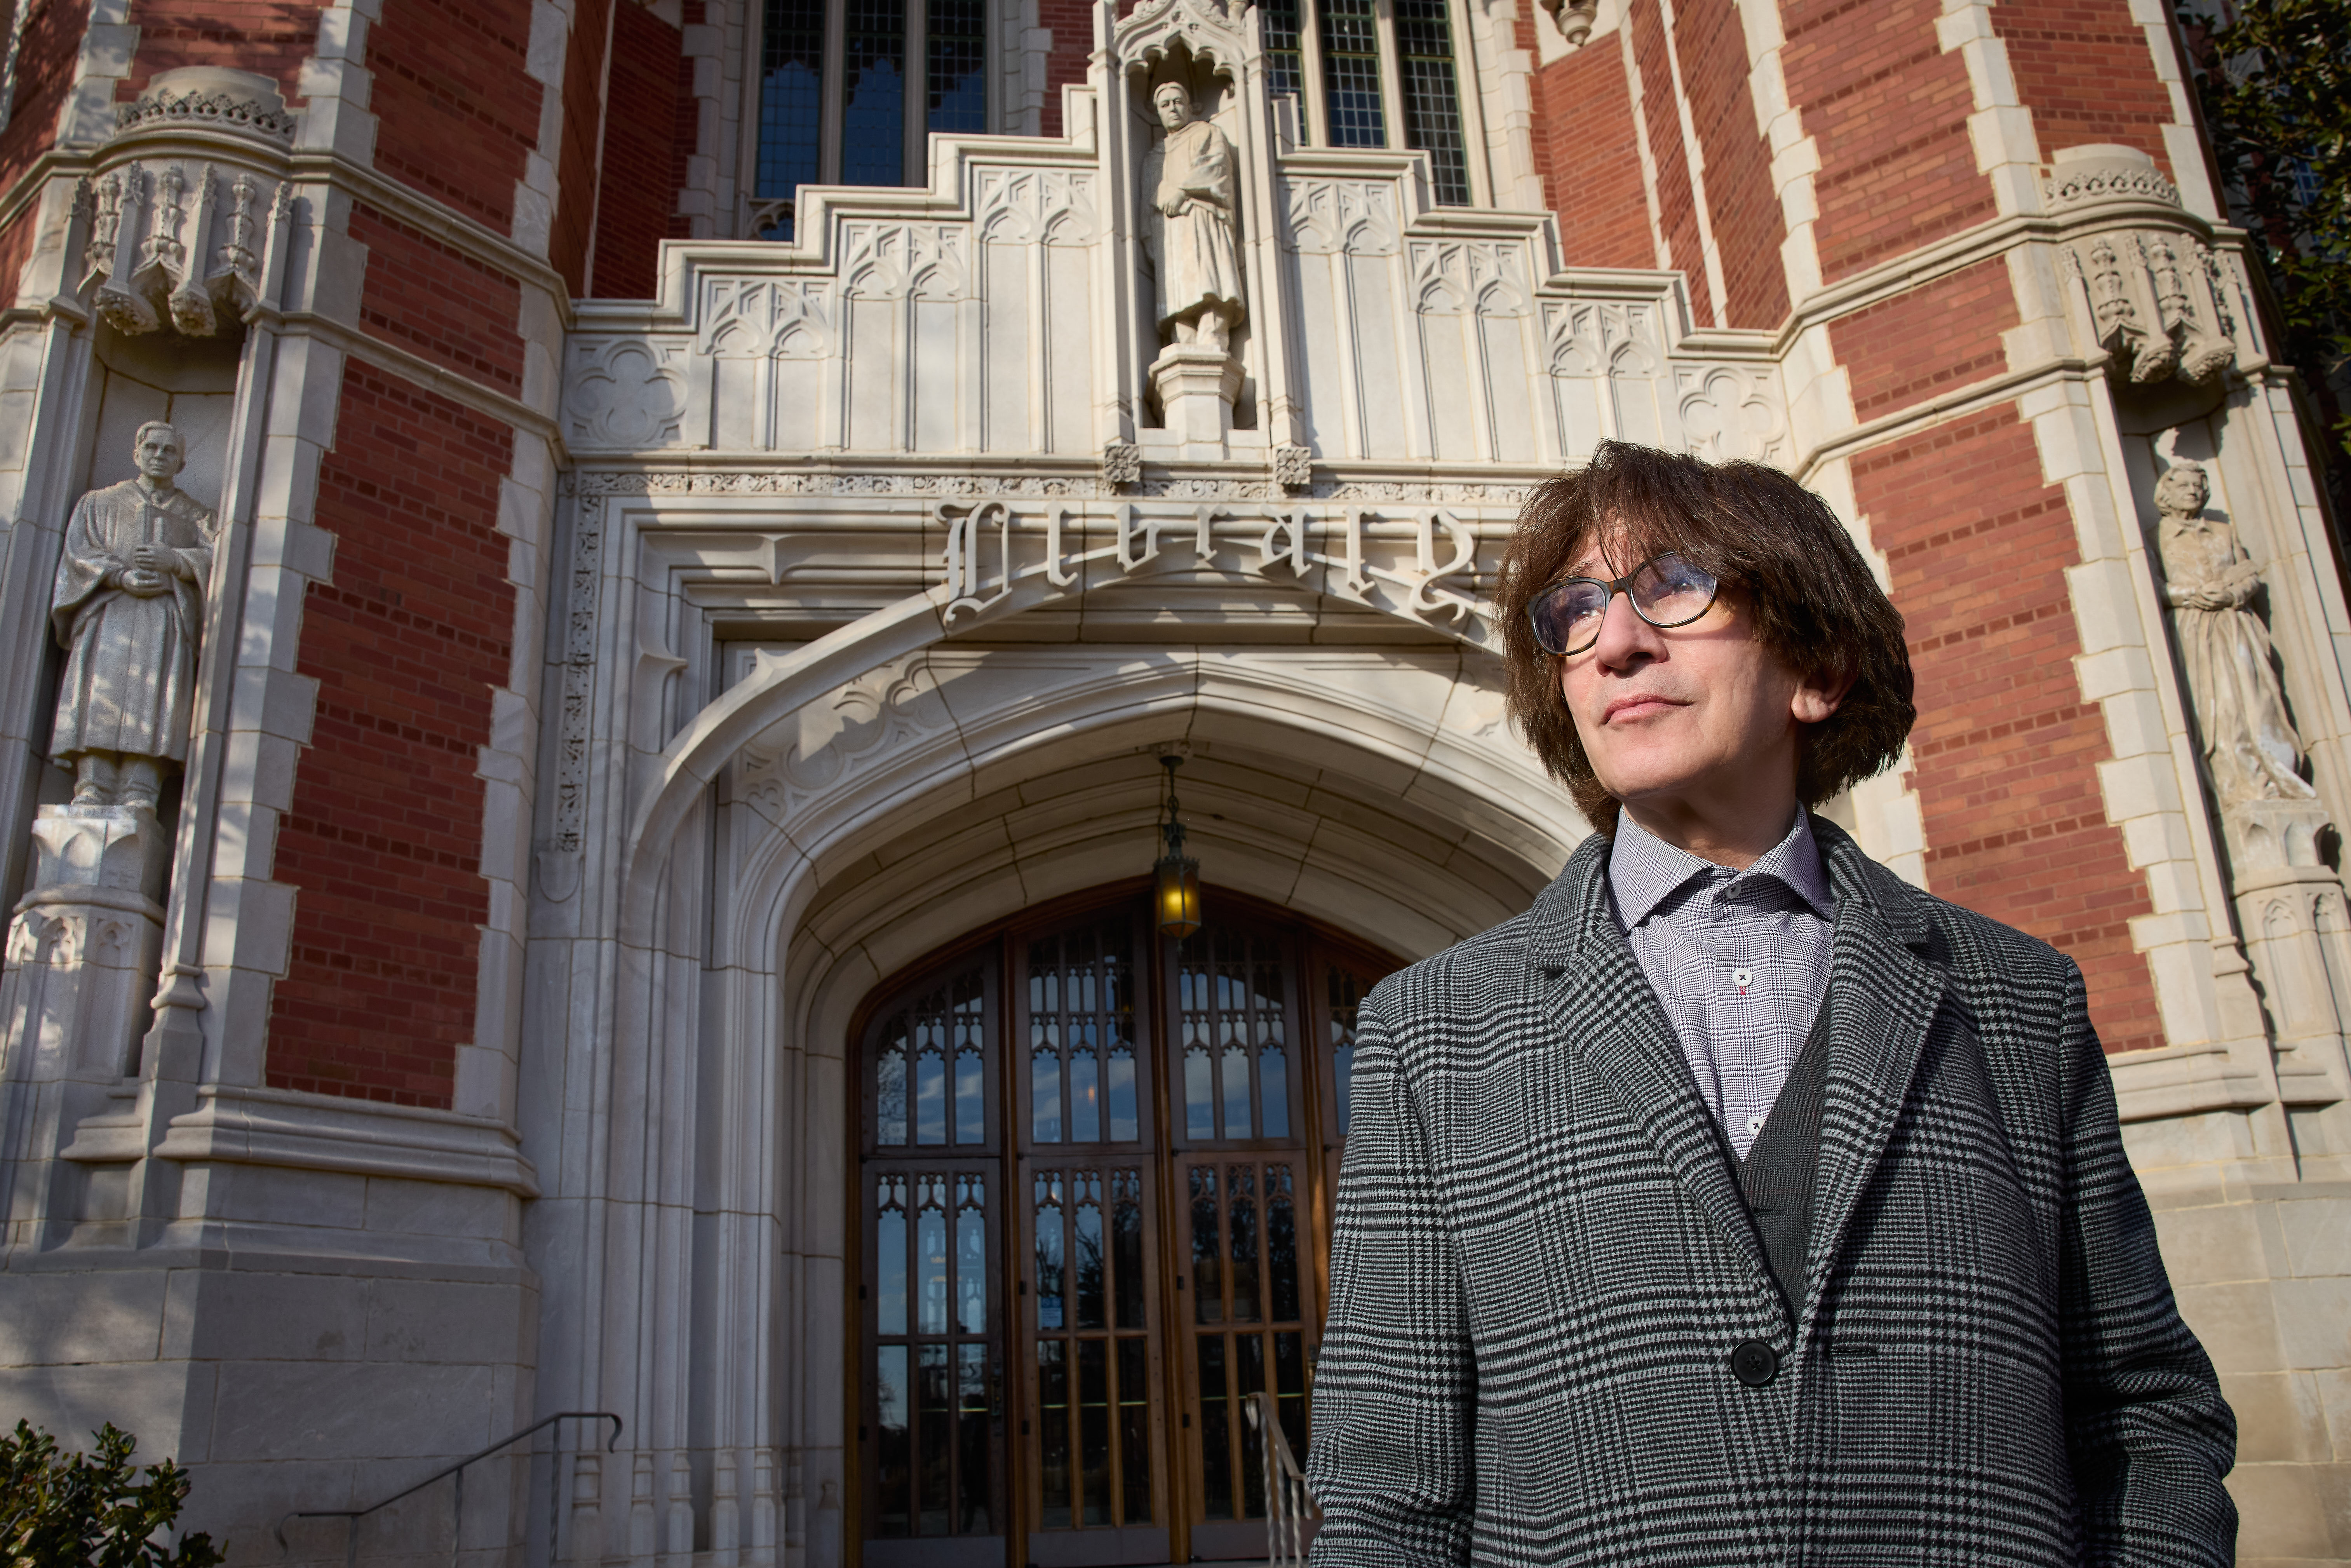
(1644, 871)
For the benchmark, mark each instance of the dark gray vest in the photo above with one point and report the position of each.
(1782, 1165)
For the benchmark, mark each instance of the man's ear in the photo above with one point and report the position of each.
(1818, 696)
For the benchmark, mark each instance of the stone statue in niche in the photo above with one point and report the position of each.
(2250, 745)
(129, 606)
(1190, 180)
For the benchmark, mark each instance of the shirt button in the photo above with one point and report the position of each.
(1754, 1363)
(1742, 978)
(1754, 1125)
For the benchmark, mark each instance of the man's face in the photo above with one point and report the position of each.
(159, 456)
(1697, 712)
(1175, 106)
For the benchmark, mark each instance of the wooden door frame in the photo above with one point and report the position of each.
(1309, 944)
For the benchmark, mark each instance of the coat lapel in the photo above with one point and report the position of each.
(1598, 1005)
(1883, 997)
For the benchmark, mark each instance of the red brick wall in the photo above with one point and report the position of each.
(2084, 68)
(642, 160)
(269, 37)
(1740, 203)
(45, 65)
(385, 836)
(1072, 22)
(1676, 204)
(16, 249)
(1889, 109)
(456, 113)
(1587, 151)
(583, 128)
(2006, 749)
(1941, 335)
(439, 303)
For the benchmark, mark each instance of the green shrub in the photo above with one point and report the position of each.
(66, 1511)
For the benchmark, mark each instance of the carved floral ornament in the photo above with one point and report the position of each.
(178, 244)
(1211, 31)
(2159, 302)
(184, 239)
(2159, 296)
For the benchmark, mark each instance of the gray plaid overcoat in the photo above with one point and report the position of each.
(1542, 1263)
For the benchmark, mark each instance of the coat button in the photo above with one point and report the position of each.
(1754, 1363)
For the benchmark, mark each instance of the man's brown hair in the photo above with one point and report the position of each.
(1797, 575)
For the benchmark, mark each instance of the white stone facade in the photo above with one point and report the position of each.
(861, 583)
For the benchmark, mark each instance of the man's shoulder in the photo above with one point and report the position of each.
(1471, 975)
(1972, 945)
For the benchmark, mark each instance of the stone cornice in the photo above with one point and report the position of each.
(414, 367)
(1986, 242)
(468, 236)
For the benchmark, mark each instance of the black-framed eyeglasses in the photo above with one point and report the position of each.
(1664, 590)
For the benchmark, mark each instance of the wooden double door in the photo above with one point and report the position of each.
(1091, 1221)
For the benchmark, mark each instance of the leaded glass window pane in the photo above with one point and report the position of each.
(1094, 1392)
(1285, 63)
(873, 85)
(1351, 73)
(933, 1381)
(1432, 102)
(959, 47)
(1233, 1036)
(791, 101)
(1081, 1041)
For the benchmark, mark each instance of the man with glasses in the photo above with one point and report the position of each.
(1739, 1203)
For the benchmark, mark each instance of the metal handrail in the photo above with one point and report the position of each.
(1288, 1508)
(353, 1515)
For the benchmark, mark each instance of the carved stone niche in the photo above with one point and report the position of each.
(179, 213)
(2157, 295)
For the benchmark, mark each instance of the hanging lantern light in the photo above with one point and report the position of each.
(1175, 879)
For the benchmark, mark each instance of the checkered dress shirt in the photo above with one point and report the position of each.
(1739, 959)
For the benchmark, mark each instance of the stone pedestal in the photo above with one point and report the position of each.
(2290, 907)
(1195, 386)
(85, 944)
(84, 947)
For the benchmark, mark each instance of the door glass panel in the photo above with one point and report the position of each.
(930, 1190)
(1051, 1237)
(933, 1387)
(1240, 1236)
(974, 1453)
(1094, 1377)
(893, 1452)
(890, 1086)
(930, 1067)
(1093, 1431)
(1346, 994)
(1272, 1053)
(1135, 1426)
(1126, 1232)
(1053, 1412)
(1216, 1431)
(1093, 1268)
(1233, 1025)
(890, 1253)
(1082, 1042)
(1207, 1262)
(1251, 1210)
(1280, 1244)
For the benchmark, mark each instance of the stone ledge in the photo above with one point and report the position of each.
(281, 1127)
(2184, 1080)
